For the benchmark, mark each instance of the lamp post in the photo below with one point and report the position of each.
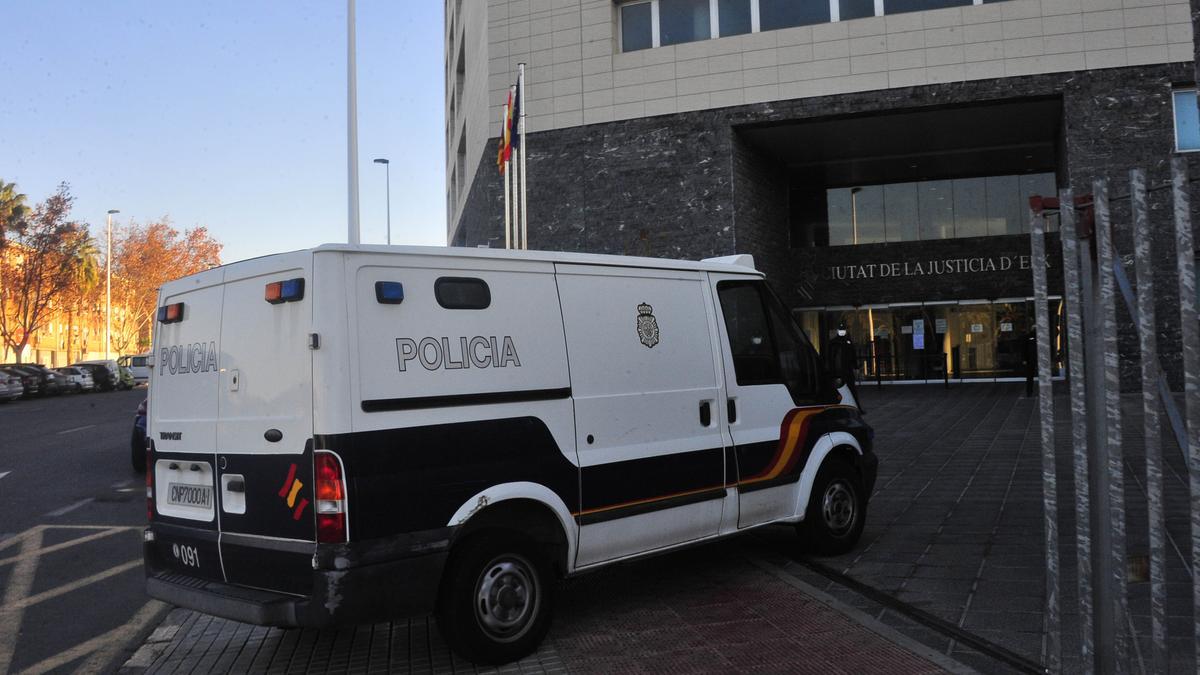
(108, 283)
(388, 174)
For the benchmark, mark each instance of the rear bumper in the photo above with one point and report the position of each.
(365, 594)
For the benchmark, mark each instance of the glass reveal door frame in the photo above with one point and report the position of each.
(972, 343)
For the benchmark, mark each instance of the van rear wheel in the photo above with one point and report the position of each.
(836, 511)
(496, 598)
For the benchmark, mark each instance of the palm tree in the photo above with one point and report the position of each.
(12, 208)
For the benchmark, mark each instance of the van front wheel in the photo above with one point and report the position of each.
(496, 598)
(836, 511)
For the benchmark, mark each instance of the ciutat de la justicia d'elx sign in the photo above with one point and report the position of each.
(930, 267)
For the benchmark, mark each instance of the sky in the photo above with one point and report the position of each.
(230, 115)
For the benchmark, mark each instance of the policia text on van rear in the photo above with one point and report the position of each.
(352, 433)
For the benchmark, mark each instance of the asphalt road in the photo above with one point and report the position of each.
(71, 514)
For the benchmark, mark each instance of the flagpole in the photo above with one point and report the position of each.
(521, 131)
(504, 170)
(512, 165)
(352, 235)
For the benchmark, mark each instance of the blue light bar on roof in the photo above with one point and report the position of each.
(389, 292)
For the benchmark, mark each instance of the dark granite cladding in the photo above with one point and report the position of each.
(685, 186)
(657, 186)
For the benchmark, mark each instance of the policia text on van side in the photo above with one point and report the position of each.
(357, 432)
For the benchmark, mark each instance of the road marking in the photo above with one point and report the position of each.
(4, 473)
(116, 486)
(102, 647)
(66, 544)
(28, 600)
(70, 507)
(19, 585)
(67, 431)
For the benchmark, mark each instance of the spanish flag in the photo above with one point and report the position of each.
(505, 150)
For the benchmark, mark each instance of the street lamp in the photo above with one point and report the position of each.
(108, 283)
(388, 174)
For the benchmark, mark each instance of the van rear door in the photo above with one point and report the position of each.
(264, 431)
(183, 424)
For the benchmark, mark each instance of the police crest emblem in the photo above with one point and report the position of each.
(647, 325)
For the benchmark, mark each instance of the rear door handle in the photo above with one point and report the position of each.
(705, 414)
(236, 485)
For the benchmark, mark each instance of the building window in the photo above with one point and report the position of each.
(637, 26)
(682, 21)
(774, 14)
(643, 24)
(1187, 121)
(734, 17)
(902, 6)
(937, 209)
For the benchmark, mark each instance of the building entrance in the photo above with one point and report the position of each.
(989, 340)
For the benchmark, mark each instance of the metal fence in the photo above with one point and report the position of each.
(1094, 279)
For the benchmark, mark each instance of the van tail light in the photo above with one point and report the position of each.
(149, 482)
(331, 498)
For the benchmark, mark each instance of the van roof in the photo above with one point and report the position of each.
(741, 264)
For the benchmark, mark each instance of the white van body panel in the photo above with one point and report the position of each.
(183, 417)
(266, 367)
(642, 369)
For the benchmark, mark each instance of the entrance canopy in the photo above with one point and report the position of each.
(1010, 137)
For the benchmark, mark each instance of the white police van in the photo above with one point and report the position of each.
(351, 433)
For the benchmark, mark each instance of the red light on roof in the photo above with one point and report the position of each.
(274, 292)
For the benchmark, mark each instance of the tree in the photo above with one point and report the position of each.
(38, 267)
(12, 209)
(83, 295)
(144, 258)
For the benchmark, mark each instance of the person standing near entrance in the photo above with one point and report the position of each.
(843, 361)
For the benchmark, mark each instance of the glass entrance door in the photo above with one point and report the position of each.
(974, 354)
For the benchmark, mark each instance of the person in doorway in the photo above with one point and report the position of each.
(843, 361)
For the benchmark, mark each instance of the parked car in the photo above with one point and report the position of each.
(10, 387)
(110, 365)
(101, 376)
(78, 379)
(127, 381)
(139, 365)
(29, 382)
(137, 442)
(52, 383)
(47, 381)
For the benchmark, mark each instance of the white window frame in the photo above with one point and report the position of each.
(653, 23)
(1175, 117)
(714, 20)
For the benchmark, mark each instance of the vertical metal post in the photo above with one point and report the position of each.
(1079, 442)
(1112, 433)
(1148, 338)
(1190, 334)
(1046, 406)
(352, 234)
(521, 130)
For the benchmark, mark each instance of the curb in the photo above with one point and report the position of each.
(867, 621)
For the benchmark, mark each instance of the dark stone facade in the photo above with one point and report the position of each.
(687, 186)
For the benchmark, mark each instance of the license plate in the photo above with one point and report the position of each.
(193, 496)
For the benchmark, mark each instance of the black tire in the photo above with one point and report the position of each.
(837, 509)
(496, 597)
(137, 449)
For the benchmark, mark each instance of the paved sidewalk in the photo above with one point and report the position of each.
(955, 528)
(717, 608)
